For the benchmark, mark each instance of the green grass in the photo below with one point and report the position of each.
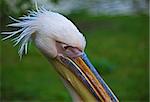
(117, 46)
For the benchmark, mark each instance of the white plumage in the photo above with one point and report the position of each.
(58, 38)
(47, 27)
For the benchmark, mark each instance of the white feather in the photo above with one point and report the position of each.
(46, 25)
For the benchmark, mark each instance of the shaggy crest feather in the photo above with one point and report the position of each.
(45, 23)
(27, 29)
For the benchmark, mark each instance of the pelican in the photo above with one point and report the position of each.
(59, 40)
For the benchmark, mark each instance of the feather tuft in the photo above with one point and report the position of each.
(27, 27)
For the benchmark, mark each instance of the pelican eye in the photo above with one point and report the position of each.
(72, 52)
(68, 50)
(65, 46)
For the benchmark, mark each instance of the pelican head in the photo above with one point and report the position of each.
(63, 45)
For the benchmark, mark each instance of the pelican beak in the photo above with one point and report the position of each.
(85, 72)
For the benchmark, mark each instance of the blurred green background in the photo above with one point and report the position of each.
(117, 45)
